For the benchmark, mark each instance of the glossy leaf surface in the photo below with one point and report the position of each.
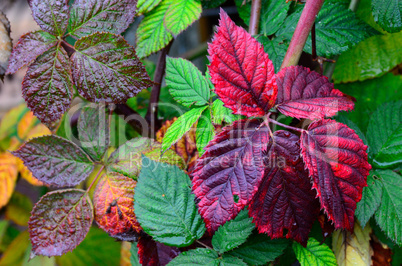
(182, 14)
(275, 48)
(314, 254)
(273, 14)
(52, 16)
(387, 14)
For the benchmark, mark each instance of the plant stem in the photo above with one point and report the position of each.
(131, 117)
(202, 244)
(95, 179)
(283, 125)
(255, 17)
(299, 38)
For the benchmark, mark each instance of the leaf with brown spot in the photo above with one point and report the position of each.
(8, 177)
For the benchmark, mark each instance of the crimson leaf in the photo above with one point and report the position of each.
(59, 222)
(227, 176)
(337, 162)
(306, 94)
(241, 71)
(28, 48)
(107, 69)
(90, 16)
(47, 86)
(55, 161)
(152, 253)
(285, 200)
(51, 15)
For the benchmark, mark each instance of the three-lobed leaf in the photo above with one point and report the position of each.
(314, 254)
(52, 16)
(182, 14)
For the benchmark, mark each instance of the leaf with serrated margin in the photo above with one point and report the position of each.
(164, 204)
(306, 94)
(152, 253)
(59, 222)
(228, 175)
(145, 6)
(220, 113)
(314, 254)
(186, 83)
(152, 34)
(284, 200)
(114, 207)
(106, 69)
(273, 14)
(47, 87)
(90, 16)
(127, 159)
(199, 256)
(6, 44)
(241, 71)
(387, 13)
(389, 214)
(51, 15)
(8, 177)
(205, 131)
(183, 124)
(93, 131)
(275, 48)
(336, 159)
(384, 135)
(259, 249)
(55, 161)
(371, 199)
(233, 233)
(28, 48)
(182, 14)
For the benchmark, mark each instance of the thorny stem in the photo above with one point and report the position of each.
(283, 125)
(95, 179)
(255, 17)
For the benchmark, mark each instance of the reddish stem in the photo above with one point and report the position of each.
(283, 125)
(254, 17)
(303, 28)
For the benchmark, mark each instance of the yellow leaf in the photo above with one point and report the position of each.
(26, 174)
(8, 177)
(25, 125)
(125, 254)
(352, 249)
(38, 131)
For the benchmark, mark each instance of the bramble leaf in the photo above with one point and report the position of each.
(152, 253)
(273, 14)
(55, 161)
(186, 83)
(306, 94)
(6, 46)
(241, 71)
(182, 14)
(8, 177)
(145, 6)
(314, 254)
(199, 256)
(114, 207)
(275, 48)
(120, 75)
(90, 16)
(337, 162)
(52, 16)
(28, 48)
(227, 176)
(220, 113)
(59, 222)
(233, 233)
(387, 13)
(164, 204)
(284, 200)
(205, 131)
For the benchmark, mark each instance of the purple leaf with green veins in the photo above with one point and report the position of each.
(90, 16)
(55, 161)
(47, 86)
(59, 222)
(51, 15)
(28, 48)
(105, 68)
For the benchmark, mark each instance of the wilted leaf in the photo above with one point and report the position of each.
(114, 207)
(106, 68)
(5, 44)
(55, 161)
(18, 209)
(182, 14)
(314, 254)
(241, 71)
(8, 177)
(387, 13)
(371, 199)
(144, 6)
(59, 222)
(52, 16)
(90, 16)
(153, 253)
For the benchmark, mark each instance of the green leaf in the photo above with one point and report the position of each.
(55, 161)
(211, 3)
(244, 10)
(181, 14)
(233, 233)
(384, 135)
(106, 69)
(181, 126)
(144, 6)
(135, 261)
(199, 256)
(381, 53)
(389, 214)
(187, 84)
(314, 254)
(205, 131)
(231, 261)
(334, 34)
(259, 249)
(275, 48)
(152, 34)
(220, 113)
(342, 119)
(371, 199)
(18, 209)
(14, 253)
(387, 13)
(364, 13)
(273, 14)
(164, 204)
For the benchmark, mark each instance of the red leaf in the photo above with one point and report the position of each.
(152, 253)
(306, 94)
(337, 162)
(227, 176)
(52, 16)
(241, 71)
(285, 199)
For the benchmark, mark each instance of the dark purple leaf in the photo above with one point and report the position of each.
(51, 15)
(152, 253)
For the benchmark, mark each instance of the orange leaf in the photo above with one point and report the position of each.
(8, 177)
(25, 125)
(26, 174)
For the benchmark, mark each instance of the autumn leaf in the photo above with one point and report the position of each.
(152, 253)
(8, 177)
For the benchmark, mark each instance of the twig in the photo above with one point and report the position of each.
(131, 117)
(96, 178)
(202, 244)
(283, 125)
(254, 17)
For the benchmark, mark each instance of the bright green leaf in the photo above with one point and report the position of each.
(231, 261)
(244, 10)
(144, 6)
(387, 13)
(212, 3)
(205, 131)
(276, 50)
(364, 13)
(220, 113)
(199, 256)
(342, 119)
(181, 14)
(273, 14)
(314, 254)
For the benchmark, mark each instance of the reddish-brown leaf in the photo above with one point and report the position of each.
(51, 15)
(241, 71)
(152, 253)
(227, 176)
(337, 162)
(306, 94)
(382, 254)
(114, 207)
